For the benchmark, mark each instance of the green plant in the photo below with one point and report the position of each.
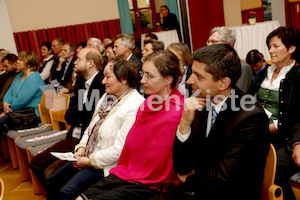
(144, 21)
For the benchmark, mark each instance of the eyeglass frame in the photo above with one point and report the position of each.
(214, 41)
(148, 77)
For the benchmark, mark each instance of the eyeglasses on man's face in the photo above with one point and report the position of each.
(208, 42)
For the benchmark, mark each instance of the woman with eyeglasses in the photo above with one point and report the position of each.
(145, 167)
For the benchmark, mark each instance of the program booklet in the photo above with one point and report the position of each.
(69, 156)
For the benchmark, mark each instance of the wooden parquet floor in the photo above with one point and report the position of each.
(15, 189)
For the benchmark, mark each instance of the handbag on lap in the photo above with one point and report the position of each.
(23, 119)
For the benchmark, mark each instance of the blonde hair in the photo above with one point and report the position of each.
(29, 58)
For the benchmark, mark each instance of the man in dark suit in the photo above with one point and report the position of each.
(89, 64)
(7, 79)
(223, 137)
(123, 47)
(169, 20)
(63, 70)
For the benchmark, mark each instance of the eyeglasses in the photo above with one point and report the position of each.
(213, 41)
(148, 77)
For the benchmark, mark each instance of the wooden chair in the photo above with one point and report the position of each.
(58, 112)
(1, 189)
(270, 191)
(44, 117)
(21, 144)
(57, 115)
(48, 96)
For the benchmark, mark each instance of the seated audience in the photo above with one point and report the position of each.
(57, 46)
(109, 52)
(3, 53)
(79, 114)
(183, 53)
(101, 145)
(256, 60)
(47, 60)
(97, 44)
(223, 138)
(136, 49)
(63, 71)
(106, 41)
(9, 64)
(223, 34)
(145, 166)
(150, 36)
(151, 46)
(123, 47)
(80, 46)
(277, 89)
(25, 90)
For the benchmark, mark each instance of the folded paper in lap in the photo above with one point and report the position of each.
(69, 156)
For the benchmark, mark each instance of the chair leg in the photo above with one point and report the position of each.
(23, 164)
(4, 149)
(37, 188)
(12, 152)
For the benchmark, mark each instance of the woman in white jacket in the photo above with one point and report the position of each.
(103, 141)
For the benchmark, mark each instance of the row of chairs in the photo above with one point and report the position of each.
(25, 144)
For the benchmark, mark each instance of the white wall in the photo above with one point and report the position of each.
(232, 12)
(278, 11)
(6, 35)
(39, 14)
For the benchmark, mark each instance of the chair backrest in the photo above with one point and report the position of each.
(269, 189)
(58, 111)
(46, 104)
(1, 189)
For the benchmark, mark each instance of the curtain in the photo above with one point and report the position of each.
(172, 5)
(204, 15)
(125, 17)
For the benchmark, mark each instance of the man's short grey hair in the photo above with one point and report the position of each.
(97, 42)
(125, 40)
(226, 34)
(107, 40)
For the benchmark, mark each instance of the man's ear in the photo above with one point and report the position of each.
(91, 63)
(224, 83)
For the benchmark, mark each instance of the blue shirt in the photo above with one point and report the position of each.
(25, 94)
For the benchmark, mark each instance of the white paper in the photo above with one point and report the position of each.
(36, 128)
(43, 137)
(69, 156)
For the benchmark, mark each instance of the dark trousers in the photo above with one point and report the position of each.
(285, 169)
(44, 164)
(111, 187)
(68, 182)
(4, 119)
